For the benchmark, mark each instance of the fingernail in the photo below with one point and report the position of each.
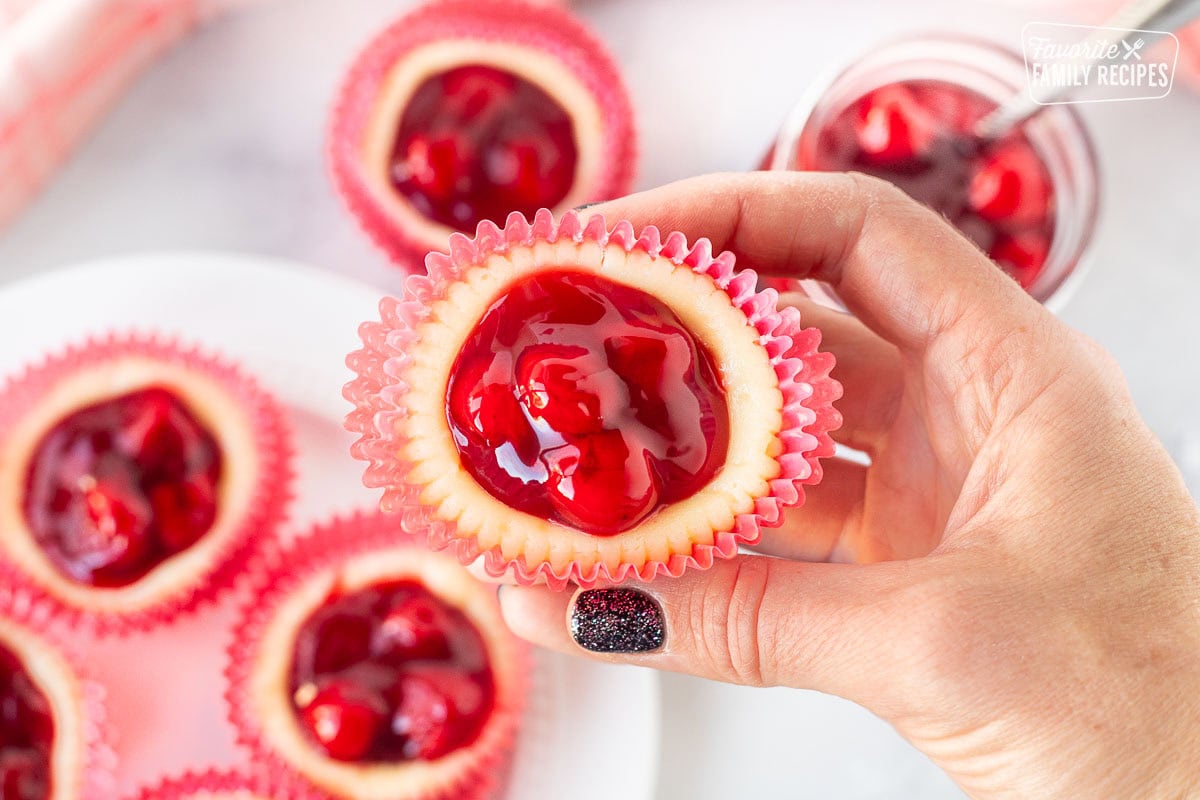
(617, 621)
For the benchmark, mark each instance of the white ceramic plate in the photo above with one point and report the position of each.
(590, 726)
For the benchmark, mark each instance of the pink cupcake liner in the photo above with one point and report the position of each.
(546, 26)
(280, 570)
(96, 779)
(267, 508)
(268, 786)
(378, 391)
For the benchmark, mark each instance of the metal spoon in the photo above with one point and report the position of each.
(1163, 15)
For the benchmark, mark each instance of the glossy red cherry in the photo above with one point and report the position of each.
(363, 647)
(599, 485)
(476, 142)
(116, 488)
(184, 511)
(344, 718)
(414, 628)
(1011, 185)
(565, 385)
(147, 430)
(434, 166)
(114, 533)
(482, 399)
(336, 637)
(586, 403)
(439, 711)
(892, 126)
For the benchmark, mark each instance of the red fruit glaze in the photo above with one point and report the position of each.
(435, 704)
(391, 673)
(116, 488)
(345, 718)
(476, 143)
(1021, 255)
(918, 135)
(26, 733)
(586, 403)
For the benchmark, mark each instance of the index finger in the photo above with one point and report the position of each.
(902, 269)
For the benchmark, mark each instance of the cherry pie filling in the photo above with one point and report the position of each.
(476, 143)
(115, 489)
(26, 733)
(587, 403)
(919, 135)
(390, 673)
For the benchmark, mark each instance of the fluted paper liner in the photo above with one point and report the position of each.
(540, 27)
(34, 618)
(264, 511)
(379, 392)
(282, 569)
(263, 784)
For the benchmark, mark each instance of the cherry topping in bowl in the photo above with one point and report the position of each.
(919, 136)
(477, 142)
(116, 488)
(586, 403)
(390, 673)
(26, 733)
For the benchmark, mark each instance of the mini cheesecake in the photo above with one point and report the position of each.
(579, 404)
(462, 112)
(44, 737)
(133, 477)
(378, 673)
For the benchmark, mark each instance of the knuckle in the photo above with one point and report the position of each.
(883, 198)
(726, 622)
(943, 621)
(990, 362)
(743, 635)
(876, 191)
(1000, 374)
(1071, 366)
(1102, 362)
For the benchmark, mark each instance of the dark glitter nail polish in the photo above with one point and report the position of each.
(617, 621)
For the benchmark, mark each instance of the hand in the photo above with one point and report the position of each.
(1041, 637)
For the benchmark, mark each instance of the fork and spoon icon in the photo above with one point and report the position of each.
(1132, 49)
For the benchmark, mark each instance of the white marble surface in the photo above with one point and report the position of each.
(220, 148)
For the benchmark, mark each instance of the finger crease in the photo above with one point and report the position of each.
(742, 631)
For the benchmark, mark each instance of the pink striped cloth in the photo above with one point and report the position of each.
(62, 64)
